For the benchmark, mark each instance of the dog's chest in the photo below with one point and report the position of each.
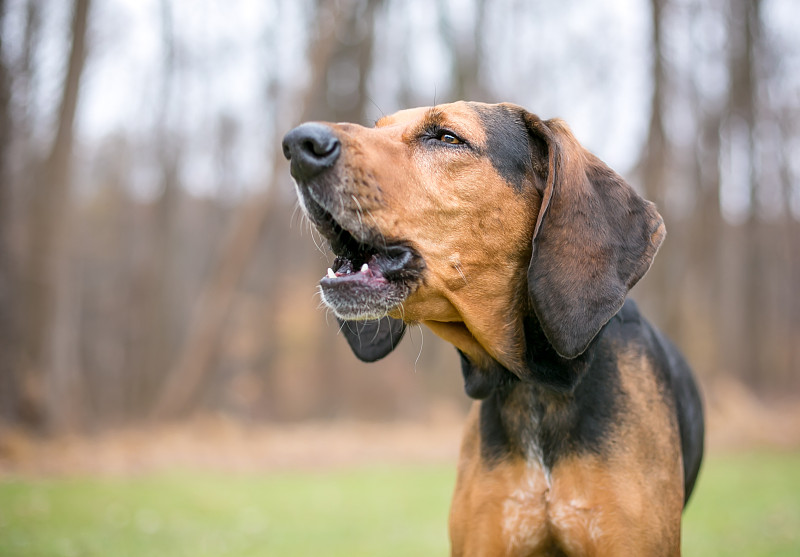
(539, 515)
(524, 516)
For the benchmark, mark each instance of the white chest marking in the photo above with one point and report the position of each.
(525, 512)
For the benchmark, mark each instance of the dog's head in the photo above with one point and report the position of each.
(467, 217)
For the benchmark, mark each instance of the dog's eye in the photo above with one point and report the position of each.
(449, 138)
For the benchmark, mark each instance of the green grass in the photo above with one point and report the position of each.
(746, 504)
(382, 511)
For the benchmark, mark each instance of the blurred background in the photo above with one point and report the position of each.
(155, 269)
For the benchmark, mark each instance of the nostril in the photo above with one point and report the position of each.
(310, 147)
(320, 146)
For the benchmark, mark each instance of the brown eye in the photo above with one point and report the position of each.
(449, 138)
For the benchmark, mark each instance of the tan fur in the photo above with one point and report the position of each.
(476, 253)
(624, 504)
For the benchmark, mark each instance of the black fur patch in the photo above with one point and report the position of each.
(544, 364)
(583, 420)
(480, 383)
(374, 339)
(567, 407)
(495, 444)
(507, 143)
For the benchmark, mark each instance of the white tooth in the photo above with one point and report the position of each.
(364, 268)
(331, 274)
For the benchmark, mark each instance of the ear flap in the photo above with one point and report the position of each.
(374, 339)
(595, 237)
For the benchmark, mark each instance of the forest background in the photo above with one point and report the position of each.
(154, 266)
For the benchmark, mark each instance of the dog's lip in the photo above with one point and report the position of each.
(392, 263)
(365, 258)
(369, 274)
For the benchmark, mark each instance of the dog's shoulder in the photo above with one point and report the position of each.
(657, 355)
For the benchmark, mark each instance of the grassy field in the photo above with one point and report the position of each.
(746, 504)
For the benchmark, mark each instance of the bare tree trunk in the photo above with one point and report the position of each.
(196, 356)
(654, 168)
(153, 361)
(334, 95)
(654, 160)
(705, 257)
(24, 65)
(9, 378)
(467, 54)
(744, 35)
(193, 363)
(794, 323)
(46, 225)
(789, 129)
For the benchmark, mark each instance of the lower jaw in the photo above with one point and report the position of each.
(354, 303)
(364, 285)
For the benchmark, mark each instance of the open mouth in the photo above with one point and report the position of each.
(370, 275)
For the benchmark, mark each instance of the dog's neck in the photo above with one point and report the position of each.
(542, 367)
(539, 416)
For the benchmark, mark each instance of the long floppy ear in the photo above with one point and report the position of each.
(595, 237)
(374, 339)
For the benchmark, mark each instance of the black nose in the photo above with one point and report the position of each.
(312, 148)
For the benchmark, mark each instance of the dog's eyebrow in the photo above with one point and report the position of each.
(432, 119)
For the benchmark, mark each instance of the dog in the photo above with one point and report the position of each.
(503, 235)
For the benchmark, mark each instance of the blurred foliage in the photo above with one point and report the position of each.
(154, 264)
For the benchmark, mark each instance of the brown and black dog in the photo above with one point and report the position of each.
(505, 237)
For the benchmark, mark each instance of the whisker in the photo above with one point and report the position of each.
(383, 238)
(359, 211)
(294, 214)
(421, 345)
(318, 240)
(323, 305)
(376, 106)
(402, 309)
(377, 330)
(460, 272)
